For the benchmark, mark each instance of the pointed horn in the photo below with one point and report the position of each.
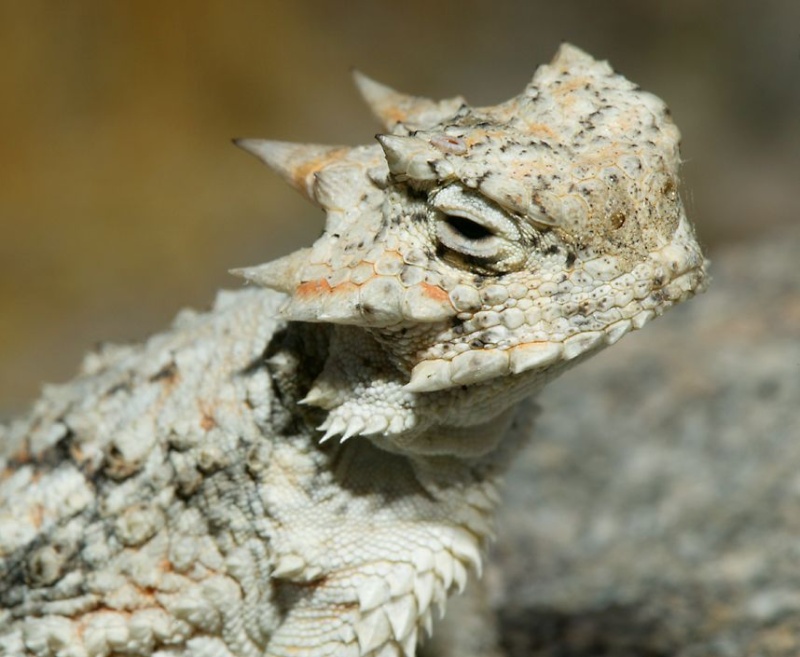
(384, 101)
(569, 56)
(295, 163)
(282, 274)
(392, 107)
(396, 150)
(410, 158)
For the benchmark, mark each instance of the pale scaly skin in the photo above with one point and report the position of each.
(314, 474)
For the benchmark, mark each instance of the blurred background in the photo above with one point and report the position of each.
(122, 199)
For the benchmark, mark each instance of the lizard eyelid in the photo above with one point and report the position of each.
(464, 236)
(469, 206)
(467, 228)
(468, 224)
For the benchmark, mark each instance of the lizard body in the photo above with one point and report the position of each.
(314, 472)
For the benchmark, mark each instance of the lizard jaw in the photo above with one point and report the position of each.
(685, 271)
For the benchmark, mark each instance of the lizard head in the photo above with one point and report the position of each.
(503, 241)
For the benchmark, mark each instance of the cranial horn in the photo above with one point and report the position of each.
(409, 157)
(282, 274)
(569, 56)
(392, 107)
(295, 163)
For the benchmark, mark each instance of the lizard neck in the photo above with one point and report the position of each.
(421, 511)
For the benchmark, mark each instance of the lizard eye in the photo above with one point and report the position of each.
(467, 237)
(467, 225)
(466, 228)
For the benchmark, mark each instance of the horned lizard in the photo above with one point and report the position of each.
(314, 472)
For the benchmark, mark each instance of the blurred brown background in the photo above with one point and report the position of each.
(122, 200)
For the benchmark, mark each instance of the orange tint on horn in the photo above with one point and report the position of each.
(315, 288)
(302, 175)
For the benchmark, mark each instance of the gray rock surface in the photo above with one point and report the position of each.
(657, 511)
